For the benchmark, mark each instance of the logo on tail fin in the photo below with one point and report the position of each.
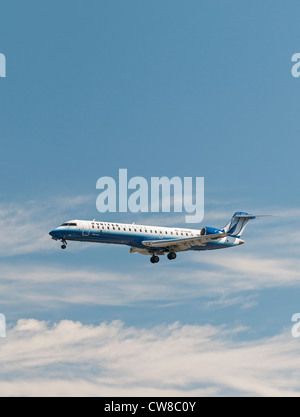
(237, 224)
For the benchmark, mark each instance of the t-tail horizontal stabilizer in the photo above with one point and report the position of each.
(238, 222)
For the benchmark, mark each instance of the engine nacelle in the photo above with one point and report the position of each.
(209, 231)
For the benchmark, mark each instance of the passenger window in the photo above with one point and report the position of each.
(166, 233)
(129, 230)
(155, 231)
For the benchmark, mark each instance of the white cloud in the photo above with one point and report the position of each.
(249, 272)
(219, 279)
(25, 228)
(46, 286)
(110, 359)
(70, 358)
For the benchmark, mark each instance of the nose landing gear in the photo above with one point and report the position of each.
(64, 244)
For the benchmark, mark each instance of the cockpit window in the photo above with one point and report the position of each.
(69, 224)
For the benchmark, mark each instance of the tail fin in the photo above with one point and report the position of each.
(238, 222)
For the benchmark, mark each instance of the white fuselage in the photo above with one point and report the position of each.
(133, 235)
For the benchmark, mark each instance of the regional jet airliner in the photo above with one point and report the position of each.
(154, 240)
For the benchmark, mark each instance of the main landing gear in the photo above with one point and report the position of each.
(154, 259)
(64, 244)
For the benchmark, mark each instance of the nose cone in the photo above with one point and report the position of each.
(55, 233)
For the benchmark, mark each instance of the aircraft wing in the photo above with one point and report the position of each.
(179, 244)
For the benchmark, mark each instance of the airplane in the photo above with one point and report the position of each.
(154, 240)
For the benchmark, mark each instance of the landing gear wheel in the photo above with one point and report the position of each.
(171, 255)
(63, 246)
(154, 259)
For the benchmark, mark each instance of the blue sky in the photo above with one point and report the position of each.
(202, 89)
